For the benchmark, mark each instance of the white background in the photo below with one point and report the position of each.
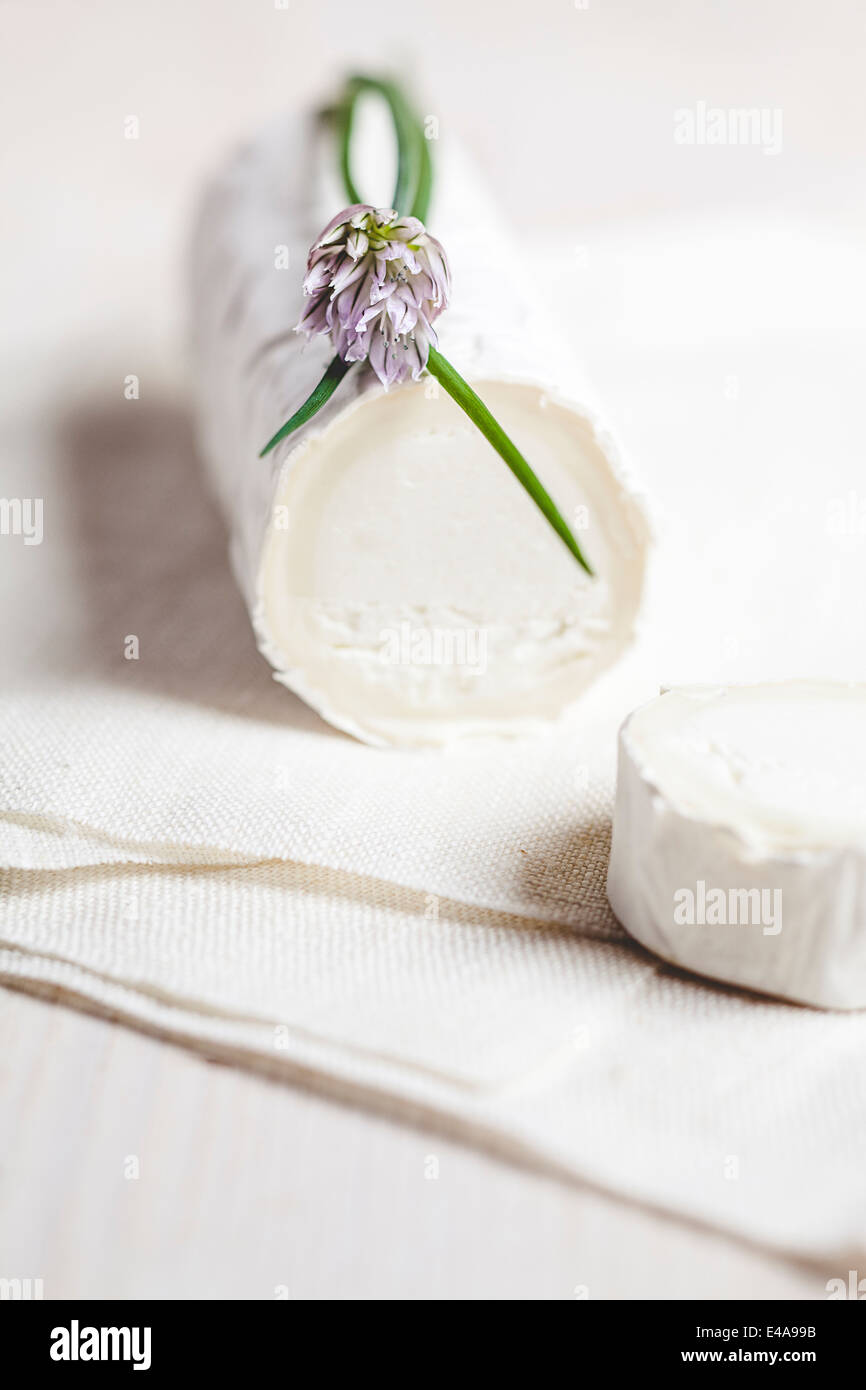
(569, 110)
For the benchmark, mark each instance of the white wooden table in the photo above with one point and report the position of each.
(248, 1188)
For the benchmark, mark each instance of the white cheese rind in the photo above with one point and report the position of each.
(385, 540)
(741, 791)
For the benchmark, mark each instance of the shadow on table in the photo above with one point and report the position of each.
(154, 564)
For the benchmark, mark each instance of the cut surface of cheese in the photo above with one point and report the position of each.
(411, 591)
(739, 841)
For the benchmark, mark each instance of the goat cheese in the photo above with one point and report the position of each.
(398, 577)
(739, 839)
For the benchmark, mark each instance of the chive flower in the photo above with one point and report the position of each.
(375, 283)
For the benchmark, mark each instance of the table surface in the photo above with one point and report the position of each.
(134, 1169)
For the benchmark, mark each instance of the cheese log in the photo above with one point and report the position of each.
(397, 575)
(739, 838)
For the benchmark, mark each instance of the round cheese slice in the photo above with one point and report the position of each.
(739, 838)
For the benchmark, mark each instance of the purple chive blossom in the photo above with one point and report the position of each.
(375, 283)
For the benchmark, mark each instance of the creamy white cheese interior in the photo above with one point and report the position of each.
(411, 591)
(783, 765)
